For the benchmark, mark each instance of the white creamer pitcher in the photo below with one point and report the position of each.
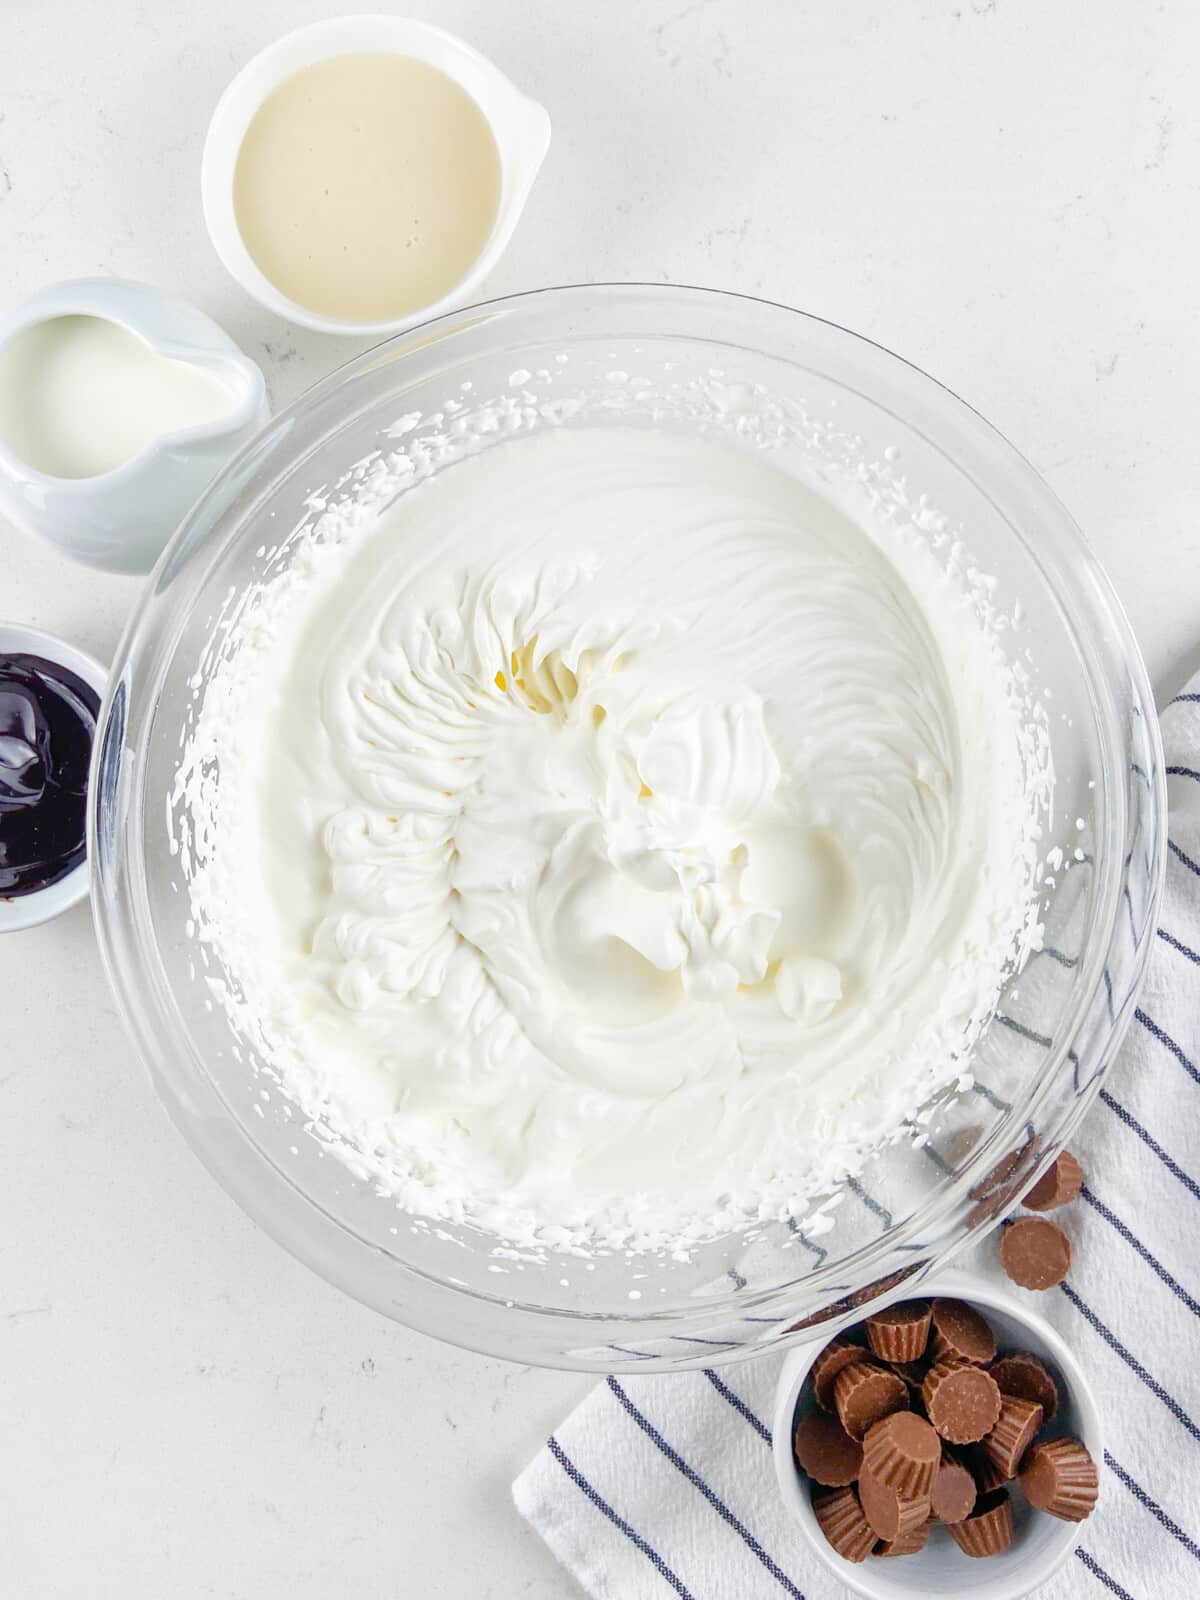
(118, 510)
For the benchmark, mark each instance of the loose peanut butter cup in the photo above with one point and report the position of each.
(1058, 1186)
(1035, 1253)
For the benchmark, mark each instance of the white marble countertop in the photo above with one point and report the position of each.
(1000, 190)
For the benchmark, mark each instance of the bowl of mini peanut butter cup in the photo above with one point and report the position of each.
(946, 1445)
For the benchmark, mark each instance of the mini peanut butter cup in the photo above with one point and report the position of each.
(840, 1353)
(818, 1319)
(1056, 1187)
(863, 1393)
(960, 1146)
(1015, 1430)
(900, 1332)
(891, 1515)
(987, 1475)
(825, 1450)
(1059, 1476)
(840, 1518)
(960, 1334)
(989, 1528)
(961, 1401)
(997, 1178)
(954, 1491)
(910, 1545)
(1002, 1186)
(1035, 1253)
(882, 1286)
(1023, 1375)
(913, 1373)
(902, 1451)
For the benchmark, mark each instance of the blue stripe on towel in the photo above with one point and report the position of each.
(1130, 1361)
(868, 1200)
(1192, 866)
(1063, 959)
(1097, 1571)
(1135, 1243)
(738, 1404)
(937, 1158)
(992, 1098)
(1152, 1506)
(1131, 1122)
(1025, 1033)
(635, 1538)
(638, 1355)
(713, 1499)
(1167, 1042)
(1178, 944)
(817, 1250)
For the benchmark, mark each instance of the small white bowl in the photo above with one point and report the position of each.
(1042, 1543)
(519, 125)
(27, 910)
(121, 520)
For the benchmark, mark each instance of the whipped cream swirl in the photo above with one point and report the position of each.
(618, 840)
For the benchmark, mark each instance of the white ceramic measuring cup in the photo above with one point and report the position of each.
(519, 125)
(121, 520)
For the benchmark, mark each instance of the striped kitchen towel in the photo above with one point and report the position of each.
(663, 1486)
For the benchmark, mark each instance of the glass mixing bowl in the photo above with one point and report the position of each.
(763, 377)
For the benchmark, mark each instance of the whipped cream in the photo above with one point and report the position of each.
(615, 840)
